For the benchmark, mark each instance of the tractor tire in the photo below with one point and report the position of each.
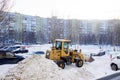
(79, 63)
(61, 64)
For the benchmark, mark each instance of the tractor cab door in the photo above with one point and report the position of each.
(62, 48)
(58, 49)
(65, 49)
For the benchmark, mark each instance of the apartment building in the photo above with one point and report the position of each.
(22, 28)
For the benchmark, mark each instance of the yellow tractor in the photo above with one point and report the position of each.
(61, 54)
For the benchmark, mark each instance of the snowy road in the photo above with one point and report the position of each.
(115, 76)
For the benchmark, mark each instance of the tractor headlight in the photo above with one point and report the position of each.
(47, 53)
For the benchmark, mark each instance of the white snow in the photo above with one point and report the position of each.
(34, 68)
(4, 68)
(40, 68)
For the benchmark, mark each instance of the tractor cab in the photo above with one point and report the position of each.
(59, 49)
(62, 46)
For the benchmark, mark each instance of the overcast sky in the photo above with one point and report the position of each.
(80, 9)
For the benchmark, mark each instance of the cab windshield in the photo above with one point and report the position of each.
(58, 45)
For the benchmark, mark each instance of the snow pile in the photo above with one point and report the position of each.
(74, 73)
(34, 68)
(37, 67)
(4, 68)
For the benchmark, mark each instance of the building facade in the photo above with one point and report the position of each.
(27, 29)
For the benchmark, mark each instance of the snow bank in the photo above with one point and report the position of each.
(37, 67)
(34, 68)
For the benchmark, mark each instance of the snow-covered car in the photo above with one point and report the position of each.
(115, 63)
(98, 54)
(12, 60)
(9, 48)
(20, 50)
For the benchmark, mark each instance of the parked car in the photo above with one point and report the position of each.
(9, 48)
(115, 63)
(11, 60)
(98, 54)
(39, 52)
(20, 50)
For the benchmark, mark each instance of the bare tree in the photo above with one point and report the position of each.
(4, 7)
(56, 28)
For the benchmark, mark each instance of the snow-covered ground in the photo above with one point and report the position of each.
(39, 68)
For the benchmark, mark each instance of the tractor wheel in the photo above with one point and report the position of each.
(61, 64)
(79, 63)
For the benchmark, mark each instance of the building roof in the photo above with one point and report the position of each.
(65, 40)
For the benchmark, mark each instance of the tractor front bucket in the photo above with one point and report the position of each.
(91, 59)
